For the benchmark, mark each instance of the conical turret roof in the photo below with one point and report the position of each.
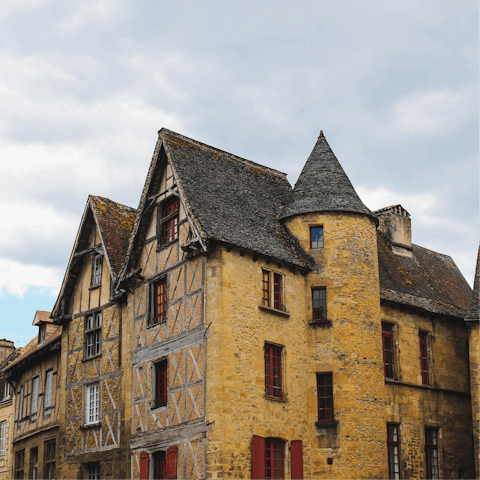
(323, 186)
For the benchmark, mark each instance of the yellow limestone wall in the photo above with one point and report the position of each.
(6, 415)
(351, 349)
(474, 344)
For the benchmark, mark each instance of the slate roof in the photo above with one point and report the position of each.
(474, 309)
(115, 222)
(428, 280)
(323, 186)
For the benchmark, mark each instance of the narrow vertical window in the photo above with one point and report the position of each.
(316, 237)
(93, 472)
(277, 291)
(34, 405)
(388, 354)
(319, 304)
(97, 269)
(20, 403)
(273, 371)
(266, 288)
(50, 469)
(431, 451)
(34, 463)
(42, 331)
(3, 438)
(325, 397)
(20, 464)
(49, 389)
(161, 383)
(170, 220)
(424, 357)
(160, 294)
(7, 391)
(159, 465)
(93, 404)
(274, 458)
(393, 445)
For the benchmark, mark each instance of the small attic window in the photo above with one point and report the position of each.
(169, 220)
(316, 237)
(97, 269)
(42, 333)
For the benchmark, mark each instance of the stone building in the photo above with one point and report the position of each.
(235, 327)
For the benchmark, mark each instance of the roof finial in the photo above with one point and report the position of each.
(321, 134)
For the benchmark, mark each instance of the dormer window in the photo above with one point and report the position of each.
(169, 220)
(42, 333)
(97, 269)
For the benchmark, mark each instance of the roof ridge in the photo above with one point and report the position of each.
(433, 251)
(232, 155)
(113, 201)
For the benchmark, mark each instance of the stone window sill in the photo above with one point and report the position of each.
(320, 323)
(92, 357)
(331, 424)
(153, 325)
(274, 311)
(86, 426)
(275, 399)
(94, 287)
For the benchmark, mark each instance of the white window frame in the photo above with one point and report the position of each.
(3, 437)
(92, 404)
(97, 269)
(48, 389)
(7, 391)
(35, 389)
(93, 335)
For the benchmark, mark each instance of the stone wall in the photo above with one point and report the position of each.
(474, 348)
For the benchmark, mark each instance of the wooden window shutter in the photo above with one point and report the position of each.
(258, 457)
(172, 454)
(144, 466)
(296, 452)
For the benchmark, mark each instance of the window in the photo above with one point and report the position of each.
(3, 438)
(265, 288)
(388, 354)
(161, 383)
(7, 393)
(92, 414)
(97, 269)
(93, 471)
(431, 450)
(20, 403)
(325, 397)
(424, 357)
(393, 452)
(42, 333)
(274, 458)
(277, 291)
(93, 334)
(273, 371)
(49, 389)
(159, 465)
(34, 463)
(319, 304)
(50, 470)
(34, 405)
(19, 464)
(169, 220)
(160, 302)
(316, 237)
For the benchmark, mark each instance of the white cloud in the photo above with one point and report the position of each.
(16, 277)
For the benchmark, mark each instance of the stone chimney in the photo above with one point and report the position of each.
(396, 225)
(6, 348)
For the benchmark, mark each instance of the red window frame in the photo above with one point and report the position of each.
(319, 304)
(161, 383)
(423, 336)
(316, 237)
(277, 291)
(160, 465)
(273, 371)
(160, 301)
(170, 220)
(388, 351)
(266, 288)
(325, 397)
(274, 458)
(393, 445)
(431, 452)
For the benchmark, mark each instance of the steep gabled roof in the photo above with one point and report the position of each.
(474, 309)
(428, 280)
(114, 222)
(229, 199)
(323, 186)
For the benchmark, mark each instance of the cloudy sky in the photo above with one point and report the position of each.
(86, 85)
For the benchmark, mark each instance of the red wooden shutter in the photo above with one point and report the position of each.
(258, 457)
(172, 454)
(296, 452)
(144, 473)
